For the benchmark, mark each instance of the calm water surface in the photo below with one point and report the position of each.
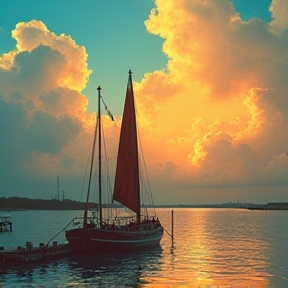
(212, 248)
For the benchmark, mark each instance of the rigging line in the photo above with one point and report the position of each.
(95, 169)
(141, 184)
(85, 174)
(95, 186)
(96, 172)
(141, 174)
(167, 231)
(106, 158)
(144, 189)
(146, 195)
(61, 230)
(109, 186)
(88, 161)
(107, 109)
(107, 166)
(143, 159)
(148, 182)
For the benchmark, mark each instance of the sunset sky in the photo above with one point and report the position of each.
(211, 87)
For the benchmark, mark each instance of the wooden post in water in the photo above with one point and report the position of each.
(28, 251)
(172, 227)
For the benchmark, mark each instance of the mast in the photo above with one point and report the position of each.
(136, 147)
(99, 159)
(91, 166)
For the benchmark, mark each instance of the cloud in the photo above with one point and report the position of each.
(214, 117)
(48, 134)
(277, 170)
(34, 33)
(12, 123)
(279, 10)
(45, 126)
(222, 120)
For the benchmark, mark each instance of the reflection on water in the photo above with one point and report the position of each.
(219, 250)
(122, 269)
(212, 248)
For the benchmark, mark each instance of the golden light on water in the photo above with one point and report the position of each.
(213, 249)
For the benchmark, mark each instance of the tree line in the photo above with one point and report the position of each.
(23, 203)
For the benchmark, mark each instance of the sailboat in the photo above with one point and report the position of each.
(137, 231)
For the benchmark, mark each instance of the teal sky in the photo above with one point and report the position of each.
(113, 33)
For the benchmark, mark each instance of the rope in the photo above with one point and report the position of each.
(61, 230)
(167, 232)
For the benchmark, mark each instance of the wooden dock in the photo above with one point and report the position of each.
(33, 254)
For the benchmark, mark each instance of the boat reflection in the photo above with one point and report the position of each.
(119, 268)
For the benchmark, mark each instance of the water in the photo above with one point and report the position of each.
(212, 248)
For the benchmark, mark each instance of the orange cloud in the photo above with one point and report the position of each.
(217, 112)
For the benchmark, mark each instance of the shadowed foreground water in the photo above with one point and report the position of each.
(212, 248)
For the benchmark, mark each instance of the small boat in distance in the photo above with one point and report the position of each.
(136, 232)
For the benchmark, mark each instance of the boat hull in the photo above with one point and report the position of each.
(100, 240)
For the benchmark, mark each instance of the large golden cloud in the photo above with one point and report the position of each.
(218, 110)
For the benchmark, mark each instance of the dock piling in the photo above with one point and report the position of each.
(28, 251)
(172, 227)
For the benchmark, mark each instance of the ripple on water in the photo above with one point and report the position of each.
(228, 248)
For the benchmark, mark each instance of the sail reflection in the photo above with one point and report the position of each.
(119, 268)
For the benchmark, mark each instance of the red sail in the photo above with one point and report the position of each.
(126, 187)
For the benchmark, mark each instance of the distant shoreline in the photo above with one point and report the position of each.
(24, 204)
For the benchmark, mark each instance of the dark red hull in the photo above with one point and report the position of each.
(101, 240)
